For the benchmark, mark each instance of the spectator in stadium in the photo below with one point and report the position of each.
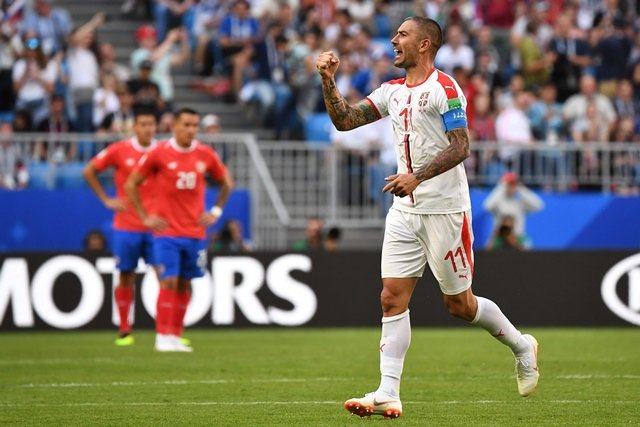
(239, 31)
(535, 64)
(108, 63)
(84, 71)
(95, 241)
(13, 172)
(120, 121)
(332, 239)
(341, 26)
(511, 198)
(105, 99)
(57, 120)
(623, 101)
(575, 108)
(570, 57)
(170, 14)
(513, 130)
(11, 48)
(456, 52)
(230, 238)
(547, 125)
(33, 80)
(132, 240)
(145, 91)
(181, 220)
(430, 181)
(173, 51)
(268, 87)
(207, 17)
(313, 240)
(612, 49)
(504, 238)
(52, 25)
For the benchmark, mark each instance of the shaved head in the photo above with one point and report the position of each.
(428, 29)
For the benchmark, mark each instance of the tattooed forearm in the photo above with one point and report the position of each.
(344, 116)
(456, 152)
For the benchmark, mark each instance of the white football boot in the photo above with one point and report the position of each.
(527, 373)
(371, 404)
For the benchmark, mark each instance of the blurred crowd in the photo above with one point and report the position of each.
(552, 71)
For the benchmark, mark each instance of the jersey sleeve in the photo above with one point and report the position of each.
(379, 99)
(215, 167)
(146, 164)
(105, 158)
(451, 104)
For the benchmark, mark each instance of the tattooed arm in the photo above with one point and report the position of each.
(458, 150)
(343, 115)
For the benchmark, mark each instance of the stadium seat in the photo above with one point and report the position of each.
(317, 128)
(41, 175)
(70, 175)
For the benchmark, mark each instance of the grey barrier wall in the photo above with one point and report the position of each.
(71, 291)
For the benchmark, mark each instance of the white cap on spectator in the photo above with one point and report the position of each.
(210, 120)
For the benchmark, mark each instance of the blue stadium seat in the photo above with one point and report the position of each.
(41, 175)
(317, 128)
(70, 175)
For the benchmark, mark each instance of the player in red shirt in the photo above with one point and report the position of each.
(180, 222)
(131, 238)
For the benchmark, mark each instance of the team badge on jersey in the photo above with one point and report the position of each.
(130, 162)
(201, 167)
(172, 165)
(423, 102)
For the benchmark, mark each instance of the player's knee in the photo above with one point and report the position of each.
(390, 303)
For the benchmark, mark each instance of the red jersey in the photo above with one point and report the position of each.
(180, 181)
(123, 156)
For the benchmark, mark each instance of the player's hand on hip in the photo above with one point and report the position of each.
(327, 64)
(401, 184)
(117, 205)
(207, 219)
(155, 223)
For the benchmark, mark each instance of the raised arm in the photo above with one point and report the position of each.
(343, 115)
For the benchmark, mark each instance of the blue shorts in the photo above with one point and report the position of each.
(130, 246)
(180, 257)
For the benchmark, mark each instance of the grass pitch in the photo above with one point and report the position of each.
(301, 377)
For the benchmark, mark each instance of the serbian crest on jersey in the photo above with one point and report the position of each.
(423, 101)
(201, 167)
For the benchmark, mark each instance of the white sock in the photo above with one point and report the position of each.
(496, 323)
(394, 343)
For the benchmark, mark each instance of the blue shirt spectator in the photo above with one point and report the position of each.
(52, 25)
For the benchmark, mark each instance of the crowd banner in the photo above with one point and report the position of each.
(40, 291)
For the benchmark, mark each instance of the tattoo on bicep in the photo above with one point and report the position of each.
(456, 152)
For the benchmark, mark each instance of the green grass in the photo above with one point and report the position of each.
(301, 377)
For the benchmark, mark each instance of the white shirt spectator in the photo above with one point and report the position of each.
(33, 90)
(84, 71)
(449, 57)
(513, 128)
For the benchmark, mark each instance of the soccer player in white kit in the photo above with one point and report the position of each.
(430, 220)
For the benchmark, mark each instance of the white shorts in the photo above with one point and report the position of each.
(445, 241)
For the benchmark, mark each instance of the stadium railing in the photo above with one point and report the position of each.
(292, 181)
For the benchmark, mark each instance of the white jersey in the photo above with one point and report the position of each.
(421, 115)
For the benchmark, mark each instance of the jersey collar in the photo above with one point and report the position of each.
(180, 149)
(139, 147)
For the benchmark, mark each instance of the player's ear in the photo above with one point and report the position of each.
(425, 45)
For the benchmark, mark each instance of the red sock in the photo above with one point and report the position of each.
(182, 302)
(124, 297)
(164, 311)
